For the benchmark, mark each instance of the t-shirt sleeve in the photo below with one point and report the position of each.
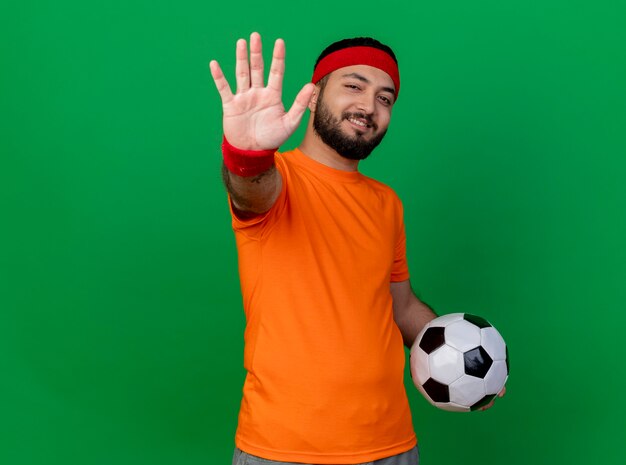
(400, 268)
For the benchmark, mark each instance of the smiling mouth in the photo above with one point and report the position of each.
(359, 123)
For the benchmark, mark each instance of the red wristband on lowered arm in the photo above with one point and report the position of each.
(246, 163)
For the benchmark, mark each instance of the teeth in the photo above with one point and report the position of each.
(357, 122)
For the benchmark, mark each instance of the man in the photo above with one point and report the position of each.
(322, 262)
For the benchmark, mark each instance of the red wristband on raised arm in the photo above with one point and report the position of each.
(246, 163)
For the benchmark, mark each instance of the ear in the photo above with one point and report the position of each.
(313, 101)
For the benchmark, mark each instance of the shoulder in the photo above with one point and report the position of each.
(283, 157)
(284, 162)
(382, 189)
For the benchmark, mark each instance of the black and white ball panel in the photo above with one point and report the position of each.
(449, 362)
(459, 362)
(445, 320)
(496, 378)
(467, 390)
(432, 339)
(493, 343)
(462, 335)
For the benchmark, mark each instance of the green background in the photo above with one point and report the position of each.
(121, 326)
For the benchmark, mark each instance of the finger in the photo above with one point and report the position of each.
(277, 70)
(300, 104)
(220, 82)
(502, 392)
(489, 405)
(256, 60)
(242, 69)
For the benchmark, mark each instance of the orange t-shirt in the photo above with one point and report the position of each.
(324, 357)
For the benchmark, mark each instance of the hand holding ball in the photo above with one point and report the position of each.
(459, 362)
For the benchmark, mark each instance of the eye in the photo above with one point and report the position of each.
(386, 100)
(353, 87)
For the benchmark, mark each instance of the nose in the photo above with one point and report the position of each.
(367, 103)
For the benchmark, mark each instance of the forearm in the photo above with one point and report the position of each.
(413, 318)
(254, 194)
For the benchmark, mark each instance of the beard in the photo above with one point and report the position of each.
(329, 129)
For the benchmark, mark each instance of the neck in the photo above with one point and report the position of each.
(313, 147)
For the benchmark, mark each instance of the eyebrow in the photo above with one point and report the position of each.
(367, 81)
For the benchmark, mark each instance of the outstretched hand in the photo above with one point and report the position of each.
(254, 117)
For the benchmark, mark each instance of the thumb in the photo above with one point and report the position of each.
(294, 115)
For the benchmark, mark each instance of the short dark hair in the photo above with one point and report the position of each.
(356, 42)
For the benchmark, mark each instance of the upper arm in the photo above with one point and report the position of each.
(401, 293)
(409, 312)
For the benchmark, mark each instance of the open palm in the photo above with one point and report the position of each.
(255, 117)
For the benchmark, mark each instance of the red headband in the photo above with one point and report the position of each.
(360, 55)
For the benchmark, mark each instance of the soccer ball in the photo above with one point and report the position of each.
(459, 362)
